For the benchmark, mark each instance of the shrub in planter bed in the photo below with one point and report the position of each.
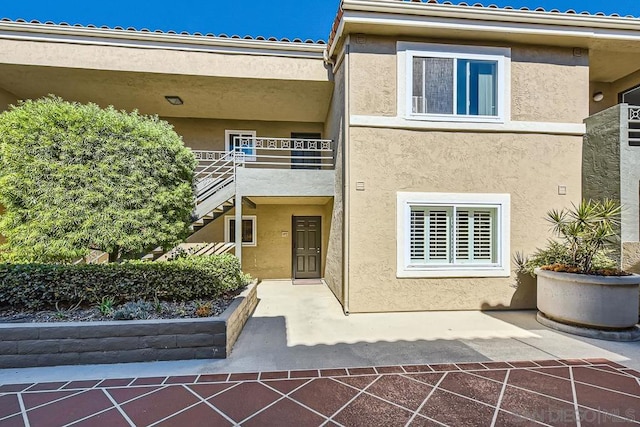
(41, 286)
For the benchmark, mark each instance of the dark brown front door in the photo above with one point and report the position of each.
(307, 244)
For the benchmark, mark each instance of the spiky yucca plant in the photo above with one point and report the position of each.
(586, 230)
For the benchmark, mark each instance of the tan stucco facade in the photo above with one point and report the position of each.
(216, 78)
(6, 99)
(335, 129)
(611, 91)
(348, 92)
(548, 84)
(209, 134)
(450, 163)
(271, 258)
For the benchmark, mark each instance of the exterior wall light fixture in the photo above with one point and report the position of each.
(598, 96)
(174, 100)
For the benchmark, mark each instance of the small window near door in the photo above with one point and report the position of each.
(243, 141)
(248, 230)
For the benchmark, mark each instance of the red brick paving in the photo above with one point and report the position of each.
(523, 393)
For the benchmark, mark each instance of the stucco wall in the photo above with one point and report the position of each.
(602, 170)
(528, 167)
(163, 61)
(6, 99)
(547, 84)
(611, 91)
(209, 134)
(335, 129)
(601, 156)
(271, 257)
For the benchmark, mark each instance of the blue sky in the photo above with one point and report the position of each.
(279, 18)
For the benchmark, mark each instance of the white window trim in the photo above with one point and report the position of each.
(406, 52)
(502, 202)
(229, 132)
(227, 229)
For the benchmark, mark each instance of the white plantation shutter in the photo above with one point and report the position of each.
(429, 235)
(463, 229)
(438, 236)
(417, 236)
(483, 236)
(473, 240)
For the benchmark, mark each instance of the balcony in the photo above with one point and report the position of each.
(266, 166)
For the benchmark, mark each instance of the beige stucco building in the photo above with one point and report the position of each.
(405, 161)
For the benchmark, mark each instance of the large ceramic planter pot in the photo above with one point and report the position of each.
(600, 302)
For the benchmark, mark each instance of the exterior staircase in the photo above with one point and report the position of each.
(215, 176)
(215, 196)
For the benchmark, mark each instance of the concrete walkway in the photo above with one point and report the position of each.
(303, 327)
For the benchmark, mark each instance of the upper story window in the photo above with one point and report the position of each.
(453, 83)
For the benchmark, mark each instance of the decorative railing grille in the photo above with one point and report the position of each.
(217, 169)
(284, 152)
(634, 125)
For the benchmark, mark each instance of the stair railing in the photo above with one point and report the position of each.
(216, 176)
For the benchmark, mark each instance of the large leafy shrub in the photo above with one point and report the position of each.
(75, 177)
(41, 286)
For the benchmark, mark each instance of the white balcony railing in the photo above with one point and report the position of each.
(284, 153)
(216, 170)
(634, 125)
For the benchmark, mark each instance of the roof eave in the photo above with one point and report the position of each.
(590, 25)
(104, 36)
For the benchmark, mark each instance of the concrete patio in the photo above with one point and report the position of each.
(300, 361)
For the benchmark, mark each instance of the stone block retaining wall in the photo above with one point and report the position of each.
(70, 343)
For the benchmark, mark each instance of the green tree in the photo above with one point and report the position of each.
(75, 177)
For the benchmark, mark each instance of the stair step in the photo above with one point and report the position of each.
(157, 250)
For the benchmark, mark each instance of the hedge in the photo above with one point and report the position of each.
(43, 286)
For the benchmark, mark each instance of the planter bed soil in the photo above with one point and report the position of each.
(161, 310)
(28, 343)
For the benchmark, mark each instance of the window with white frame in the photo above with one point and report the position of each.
(447, 82)
(248, 230)
(453, 235)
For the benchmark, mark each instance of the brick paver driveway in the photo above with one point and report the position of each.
(555, 392)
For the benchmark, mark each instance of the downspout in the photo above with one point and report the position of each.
(346, 182)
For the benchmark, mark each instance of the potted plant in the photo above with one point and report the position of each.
(579, 283)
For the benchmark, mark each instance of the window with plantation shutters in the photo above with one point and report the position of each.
(453, 235)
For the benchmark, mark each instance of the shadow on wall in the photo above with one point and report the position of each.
(524, 298)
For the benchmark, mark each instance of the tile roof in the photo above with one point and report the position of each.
(427, 3)
(537, 9)
(170, 32)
